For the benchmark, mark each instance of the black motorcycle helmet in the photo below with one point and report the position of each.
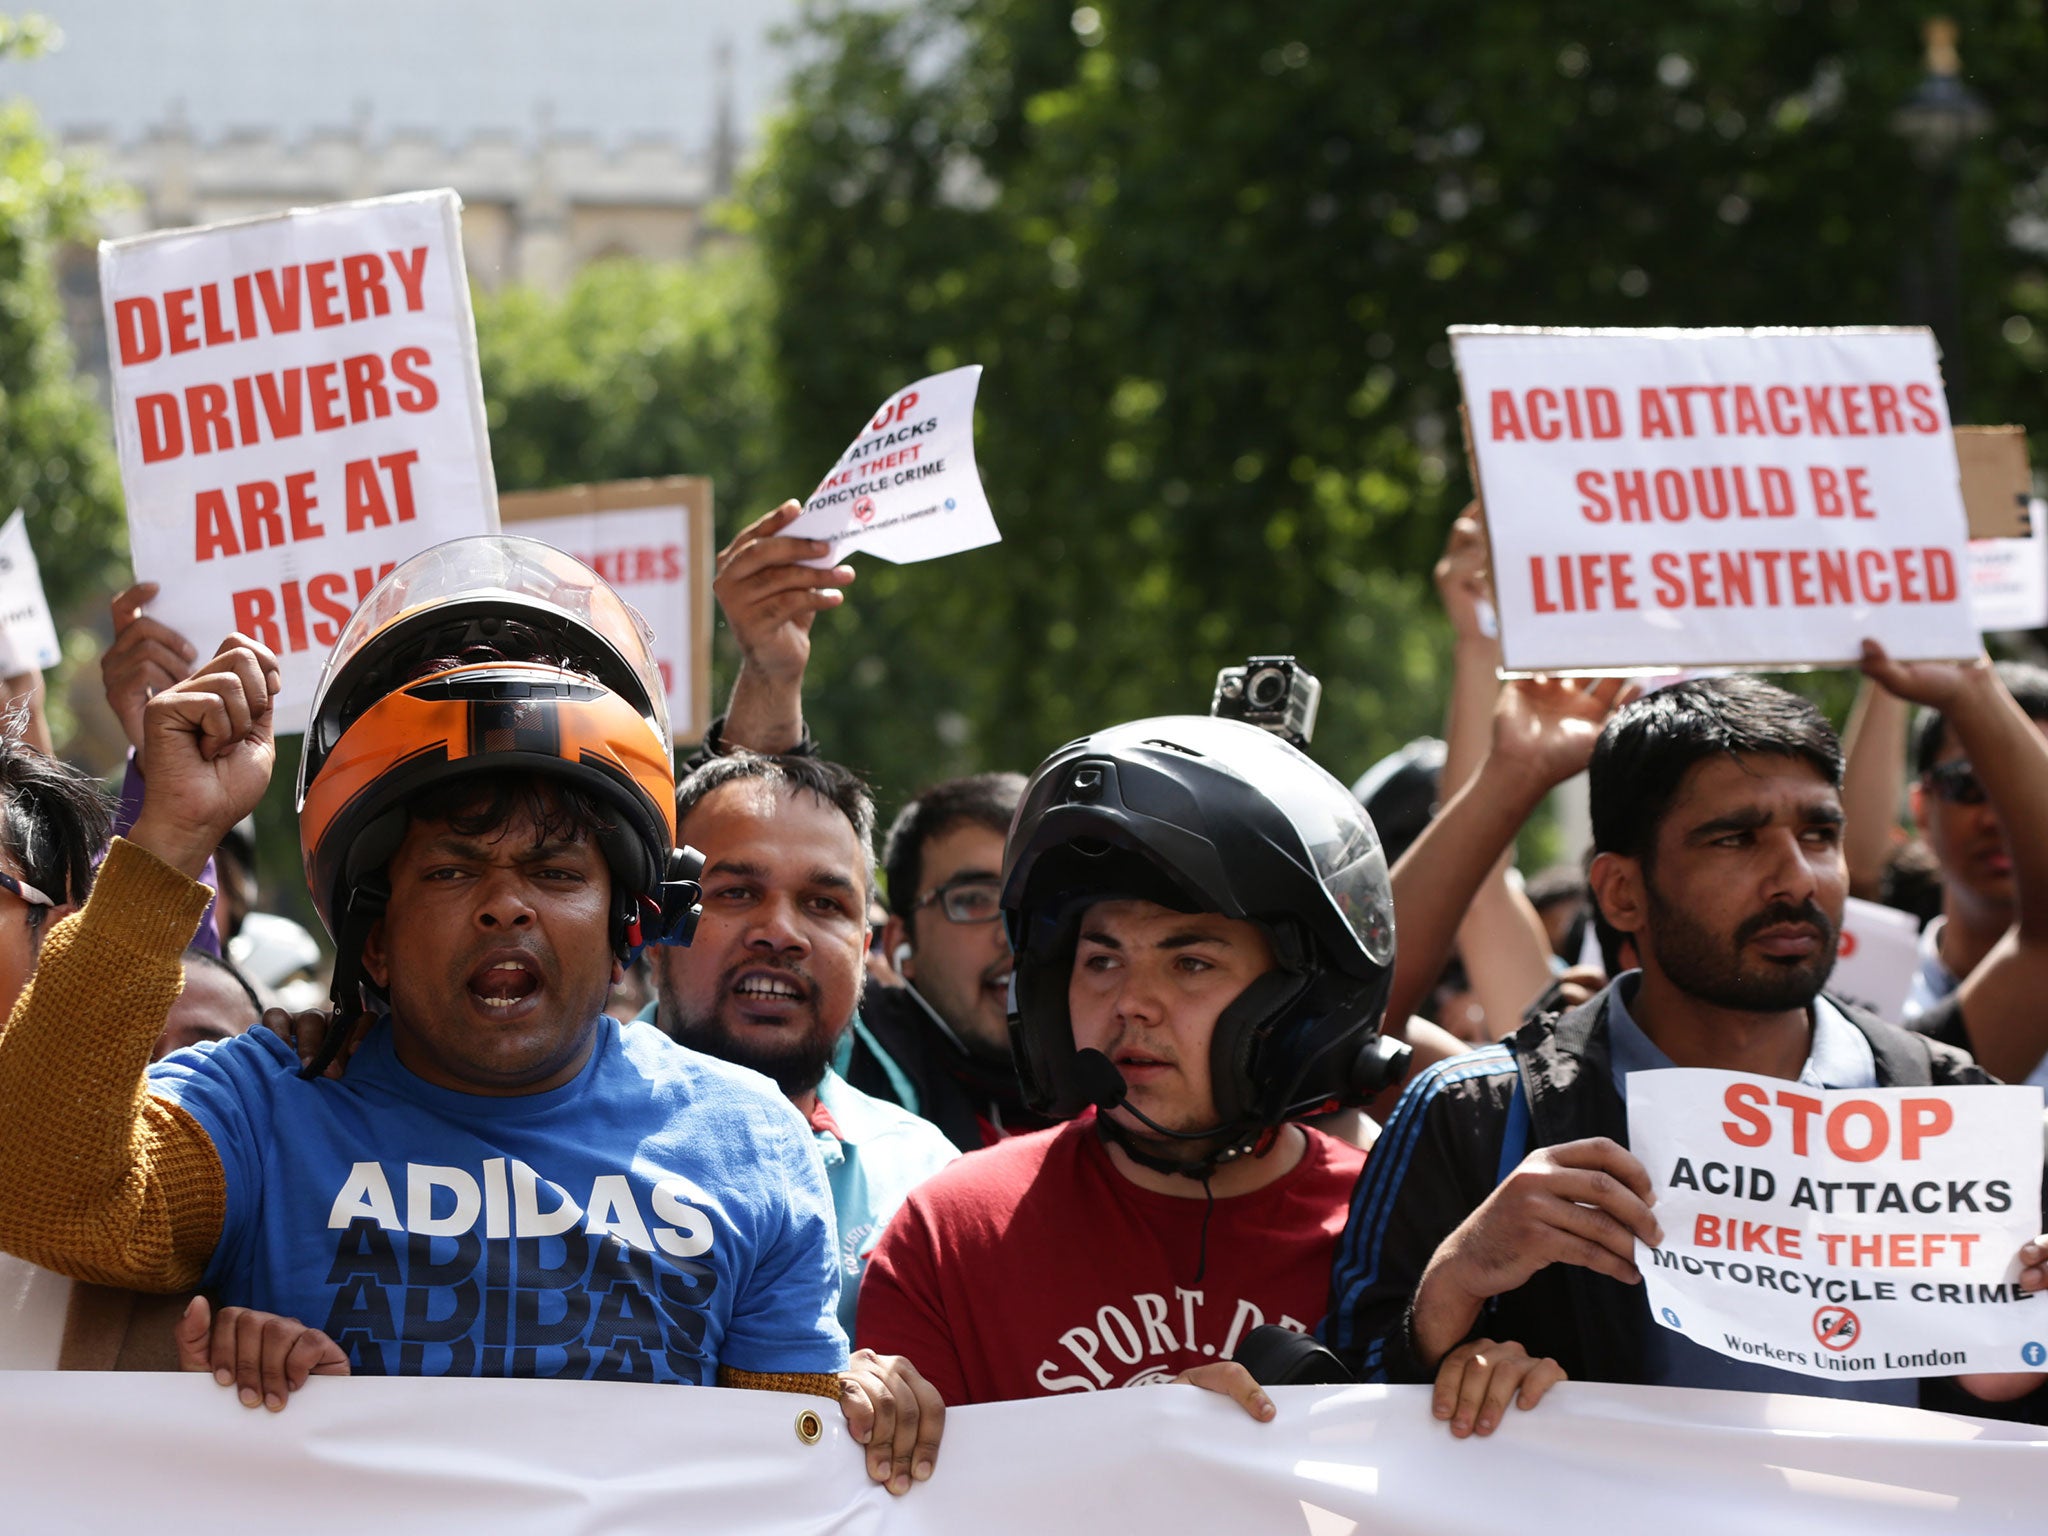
(1399, 793)
(1207, 815)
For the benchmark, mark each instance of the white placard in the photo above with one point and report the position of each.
(906, 488)
(2009, 577)
(1876, 957)
(27, 632)
(656, 556)
(1860, 1234)
(297, 408)
(1740, 498)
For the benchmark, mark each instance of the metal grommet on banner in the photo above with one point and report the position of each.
(809, 1427)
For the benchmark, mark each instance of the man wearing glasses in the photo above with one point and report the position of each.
(944, 1036)
(1980, 907)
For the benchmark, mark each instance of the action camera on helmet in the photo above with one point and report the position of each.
(1275, 693)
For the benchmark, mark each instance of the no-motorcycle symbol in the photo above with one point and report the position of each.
(1836, 1327)
(864, 509)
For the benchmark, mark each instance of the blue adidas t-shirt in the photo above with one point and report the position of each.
(658, 1217)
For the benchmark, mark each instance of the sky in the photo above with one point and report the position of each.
(614, 69)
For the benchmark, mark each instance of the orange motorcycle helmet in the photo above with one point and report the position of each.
(488, 655)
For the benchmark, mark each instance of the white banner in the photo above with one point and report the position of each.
(651, 539)
(1866, 1233)
(2009, 577)
(1876, 958)
(297, 408)
(28, 635)
(906, 489)
(174, 1455)
(1694, 498)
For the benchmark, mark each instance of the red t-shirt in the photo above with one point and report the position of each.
(1034, 1267)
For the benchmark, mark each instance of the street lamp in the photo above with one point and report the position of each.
(1936, 121)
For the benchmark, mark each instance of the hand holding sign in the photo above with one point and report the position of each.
(1464, 580)
(1581, 1202)
(1547, 726)
(147, 656)
(1936, 684)
(769, 597)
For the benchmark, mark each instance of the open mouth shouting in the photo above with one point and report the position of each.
(506, 983)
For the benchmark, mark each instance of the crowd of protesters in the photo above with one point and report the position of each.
(1107, 1074)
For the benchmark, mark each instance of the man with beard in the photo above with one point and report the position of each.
(1503, 1195)
(774, 973)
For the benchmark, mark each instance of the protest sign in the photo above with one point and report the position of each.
(906, 488)
(1996, 480)
(651, 539)
(2008, 545)
(1856, 1234)
(297, 408)
(1876, 955)
(172, 1454)
(1672, 498)
(28, 635)
(2009, 576)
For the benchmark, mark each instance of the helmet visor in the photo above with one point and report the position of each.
(524, 572)
(1334, 829)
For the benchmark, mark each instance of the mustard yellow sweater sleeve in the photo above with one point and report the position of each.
(99, 1180)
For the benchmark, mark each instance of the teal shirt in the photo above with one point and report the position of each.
(874, 1154)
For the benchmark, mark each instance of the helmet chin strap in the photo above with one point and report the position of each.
(1104, 1087)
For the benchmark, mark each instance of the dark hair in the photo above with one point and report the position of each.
(840, 788)
(54, 818)
(982, 800)
(1647, 750)
(1558, 883)
(2027, 683)
(1911, 881)
(197, 956)
(480, 803)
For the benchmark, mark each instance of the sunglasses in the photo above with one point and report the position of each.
(1956, 783)
(35, 900)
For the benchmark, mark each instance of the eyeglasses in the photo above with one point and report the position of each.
(1956, 783)
(970, 899)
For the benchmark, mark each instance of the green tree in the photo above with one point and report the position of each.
(1208, 254)
(639, 369)
(56, 455)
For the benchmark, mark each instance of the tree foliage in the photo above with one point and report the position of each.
(639, 369)
(56, 454)
(1208, 254)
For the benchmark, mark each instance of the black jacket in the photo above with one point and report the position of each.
(900, 1055)
(1459, 1130)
